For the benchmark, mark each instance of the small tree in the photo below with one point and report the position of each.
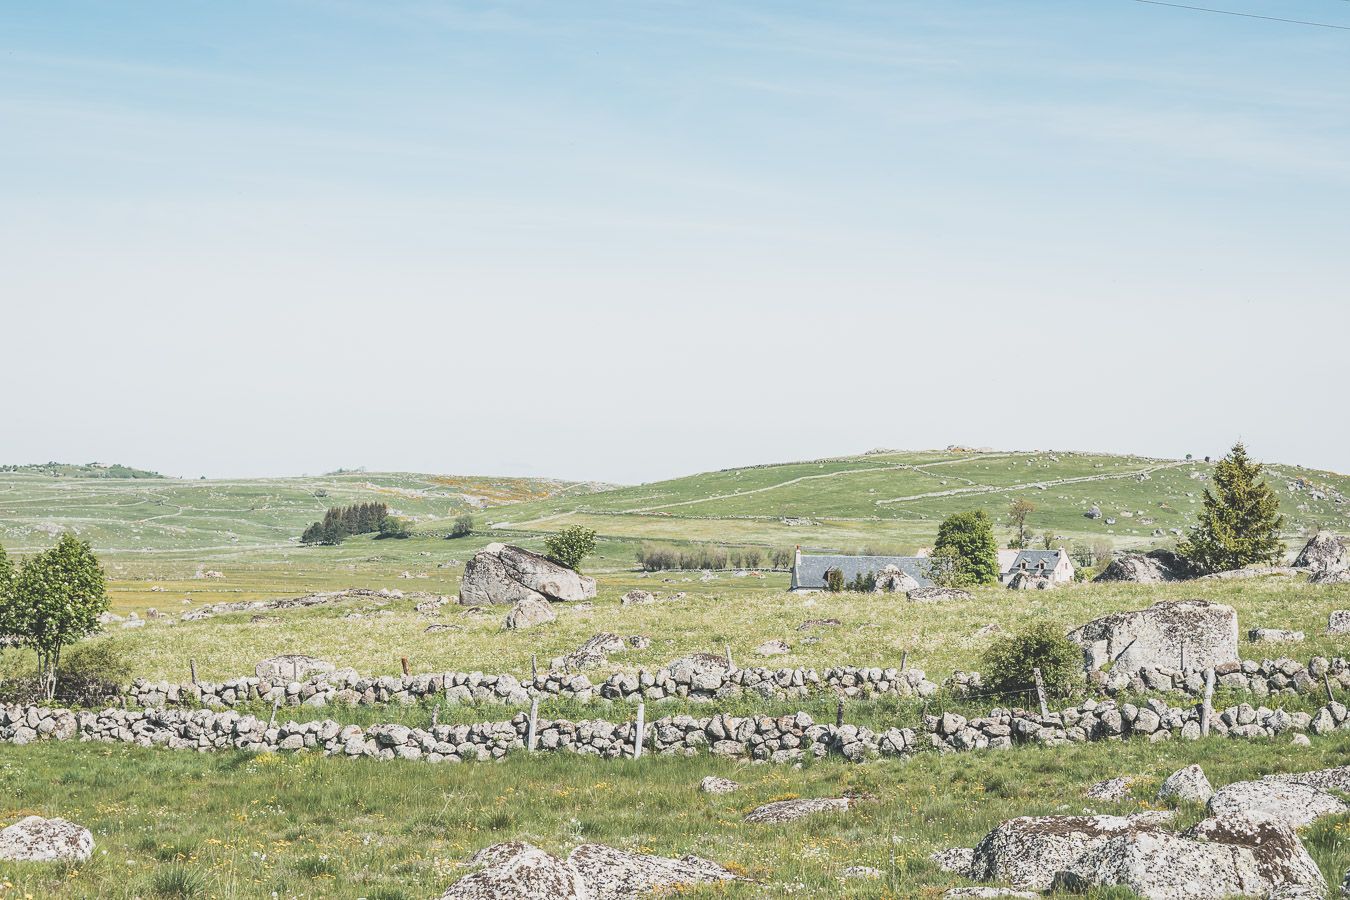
(1018, 511)
(834, 581)
(570, 546)
(1009, 661)
(968, 540)
(1048, 540)
(54, 600)
(463, 526)
(394, 527)
(1240, 522)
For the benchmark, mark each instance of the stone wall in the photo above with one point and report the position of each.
(776, 739)
(346, 687)
(1269, 676)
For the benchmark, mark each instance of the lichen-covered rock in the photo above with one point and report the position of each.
(1027, 581)
(861, 873)
(773, 648)
(530, 612)
(788, 810)
(637, 598)
(520, 871)
(956, 860)
(1188, 785)
(988, 892)
(1330, 576)
(1279, 855)
(611, 874)
(592, 654)
(35, 839)
(892, 580)
(1275, 635)
(1111, 790)
(501, 574)
(937, 594)
(714, 785)
(1324, 552)
(1289, 802)
(1335, 779)
(1154, 637)
(1027, 852)
(1339, 622)
(1154, 567)
(1163, 866)
(291, 667)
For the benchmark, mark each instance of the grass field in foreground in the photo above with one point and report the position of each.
(229, 825)
(874, 629)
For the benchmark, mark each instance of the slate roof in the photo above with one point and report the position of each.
(810, 574)
(1033, 558)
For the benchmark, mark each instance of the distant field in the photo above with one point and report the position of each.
(896, 500)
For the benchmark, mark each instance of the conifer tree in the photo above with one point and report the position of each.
(1240, 522)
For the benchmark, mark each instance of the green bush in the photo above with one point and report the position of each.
(463, 526)
(1008, 663)
(570, 546)
(967, 538)
(395, 527)
(834, 581)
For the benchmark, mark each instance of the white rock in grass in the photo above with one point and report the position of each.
(528, 613)
(1292, 803)
(1188, 785)
(866, 873)
(1111, 790)
(520, 871)
(714, 785)
(787, 810)
(36, 839)
(983, 892)
(611, 874)
(957, 860)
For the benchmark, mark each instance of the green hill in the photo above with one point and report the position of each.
(169, 514)
(88, 470)
(895, 500)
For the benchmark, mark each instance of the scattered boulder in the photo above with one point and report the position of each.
(1281, 859)
(982, 892)
(592, 654)
(864, 873)
(1274, 635)
(1339, 622)
(639, 641)
(520, 871)
(891, 580)
(773, 648)
(611, 874)
(1094, 513)
(1026, 581)
(1251, 572)
(292, 667)
(529, 612)
(956, 860)
(1324, 552)
(715, 785)
(1336, 779)
(35, 839)
(1333, 576)
(501, 574)
(1292, 803)
(1112, 790)
(1154, 637)
(788, 810)
(637, 598)
(1188, 785)
(937, 594)
(1154, 567)
(819, 623)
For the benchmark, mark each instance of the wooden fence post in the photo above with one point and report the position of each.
(192, 667)
(839, 713)
(272, 722)
(1040, 692)
(404, 661)
(904, 660)
(1326, 680)
(534, 667)
(532, 734)
(436, 715)
(731, 664)
(1206, 707)
(640, 733)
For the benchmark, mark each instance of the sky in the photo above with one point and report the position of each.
(624, 240)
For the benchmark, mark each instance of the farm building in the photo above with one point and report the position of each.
(809, 570)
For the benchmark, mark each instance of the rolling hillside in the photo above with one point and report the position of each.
(895, 500)
(168, 514)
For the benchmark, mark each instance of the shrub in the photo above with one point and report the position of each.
(570, 546)
(463, 526)
(753, 557)
(1008, 663)
(834, 581)
(863, 583)
(91, 674)
(782, 558)
(395, 527)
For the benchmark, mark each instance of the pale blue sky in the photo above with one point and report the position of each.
(628, 240)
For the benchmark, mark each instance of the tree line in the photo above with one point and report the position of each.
(341, 522)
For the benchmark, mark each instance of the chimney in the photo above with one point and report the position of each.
(797, 560)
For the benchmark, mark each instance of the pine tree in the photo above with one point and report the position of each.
(1240, 522)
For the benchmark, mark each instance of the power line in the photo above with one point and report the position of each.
(1229, 12)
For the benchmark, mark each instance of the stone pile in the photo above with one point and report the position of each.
(321, 599)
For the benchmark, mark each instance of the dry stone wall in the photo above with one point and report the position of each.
(778, 739)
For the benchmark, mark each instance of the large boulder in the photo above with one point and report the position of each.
(292, 667)
(1027, 852)
(1336, 779)
(1324, 552)
(1028, 581)
(788, 810)
(1153, 567)
(892, 580)
(610, 874)
(1154, 637)
(35, 839)
(529, 612)
(1339, 622)
(520, 871)
(502, 574)
(1273, 799)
